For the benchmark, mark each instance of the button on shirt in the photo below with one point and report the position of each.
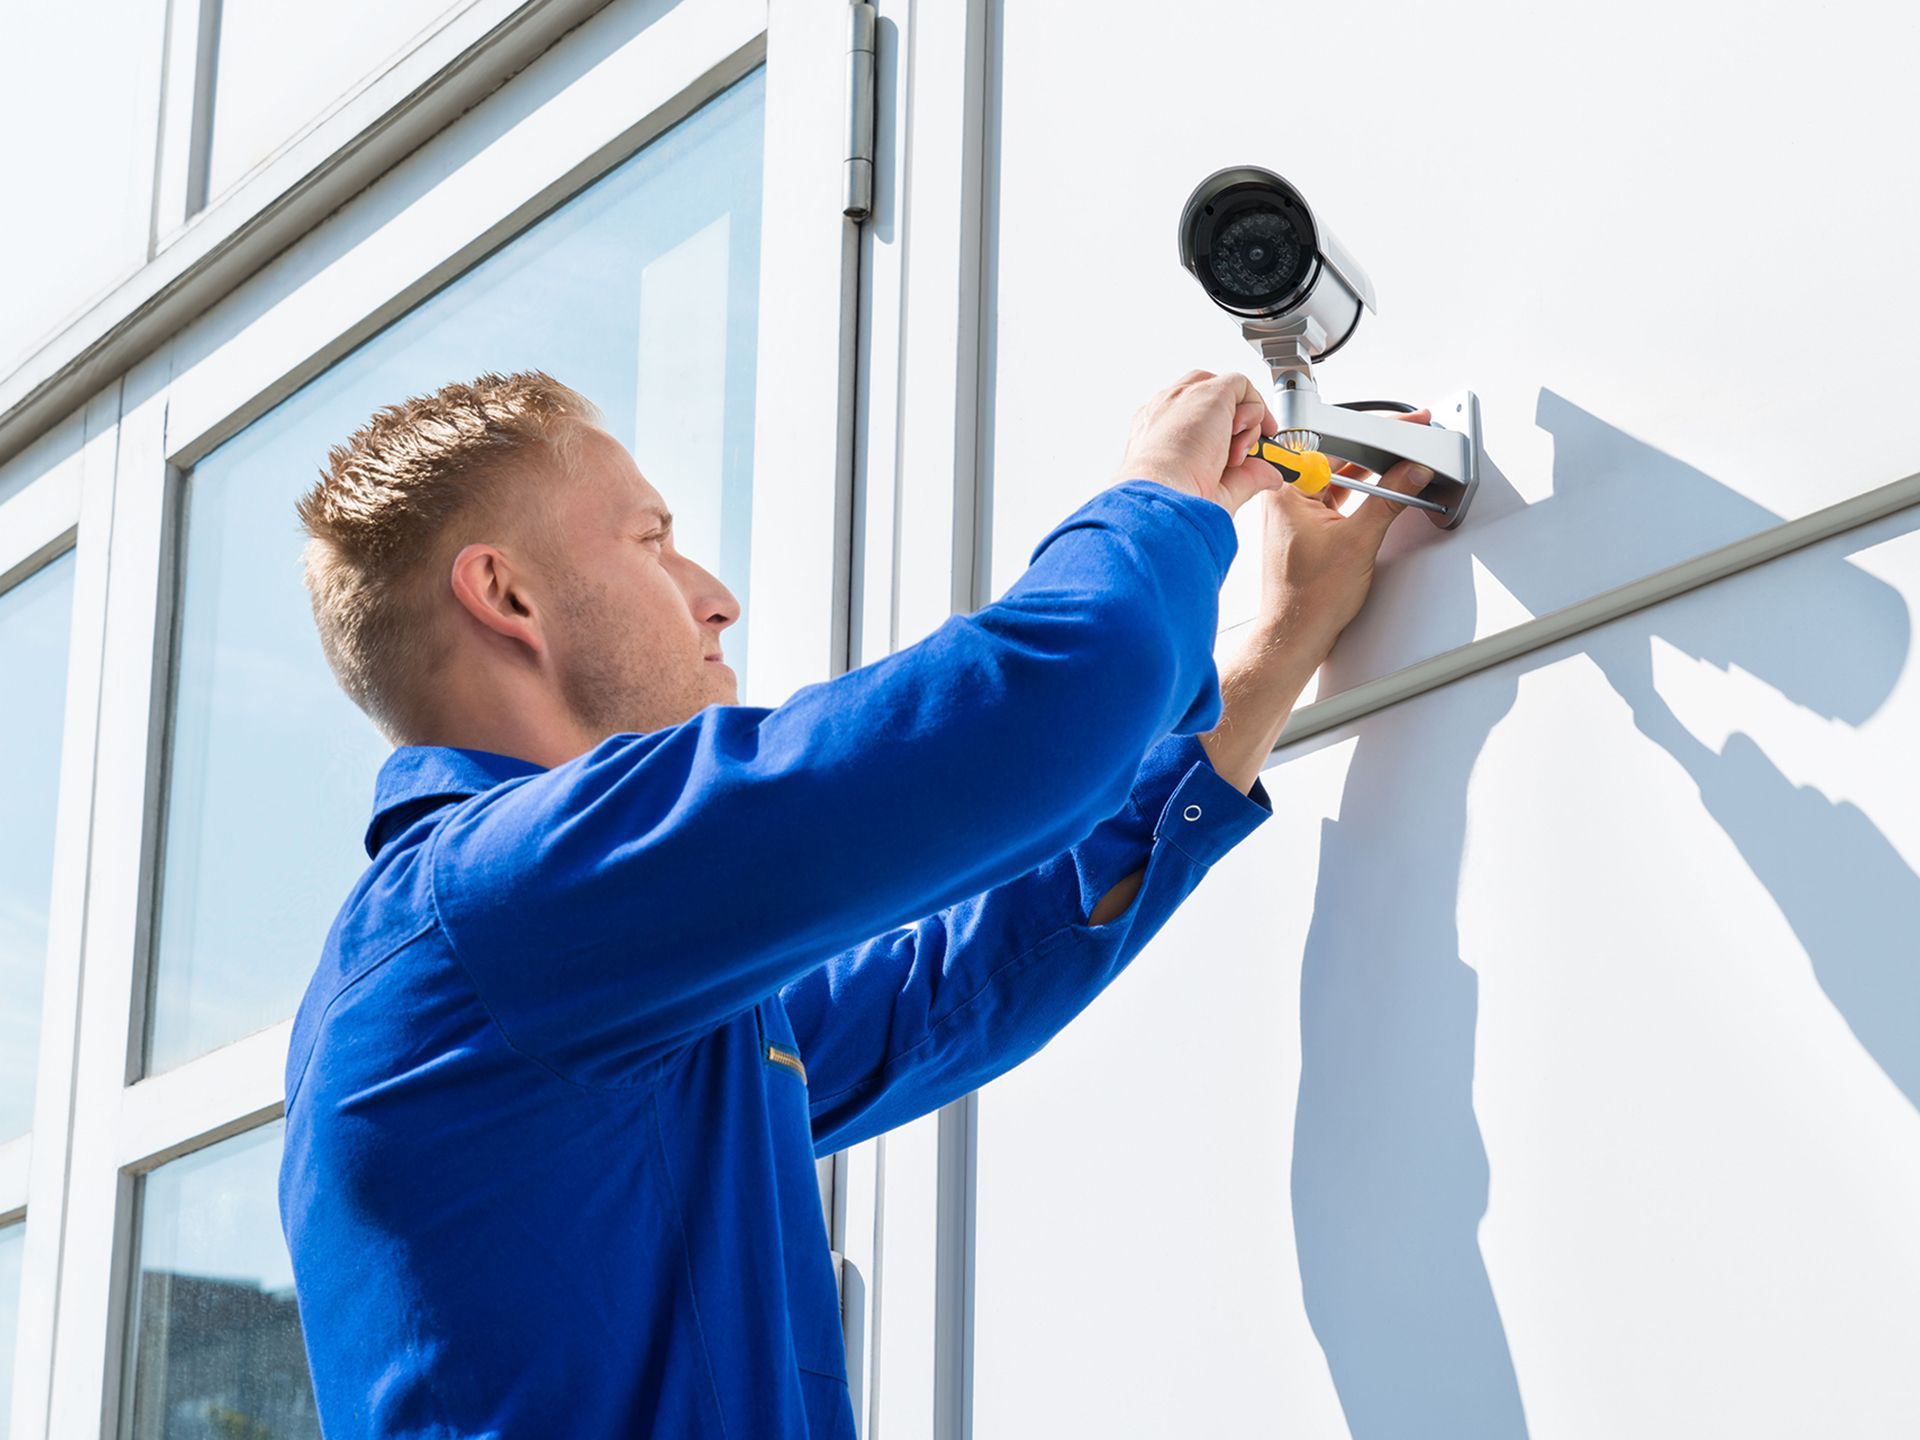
(555, 1091)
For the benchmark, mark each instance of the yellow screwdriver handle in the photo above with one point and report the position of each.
(1308, 471)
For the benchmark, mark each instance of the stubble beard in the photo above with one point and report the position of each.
(609, 689)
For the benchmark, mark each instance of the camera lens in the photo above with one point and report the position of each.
(1258, 254)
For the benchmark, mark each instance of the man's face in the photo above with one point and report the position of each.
(634, 621)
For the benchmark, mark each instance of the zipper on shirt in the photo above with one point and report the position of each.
(788, 1059)
(777, 1054)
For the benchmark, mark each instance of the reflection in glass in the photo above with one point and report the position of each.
(34, 620)
(13, 1245)
(640, 293)
(277, 66)
(217, 1348)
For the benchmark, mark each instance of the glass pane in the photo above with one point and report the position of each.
(83, 82)
(34, 620)
(277, 66)
(217, 1347)
(640, 293)
(13, 1245)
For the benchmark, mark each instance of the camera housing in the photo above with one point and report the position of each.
(1261, 254)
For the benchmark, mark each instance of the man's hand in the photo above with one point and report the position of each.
(1195, 435)
(1317, 564)
(1316, 568)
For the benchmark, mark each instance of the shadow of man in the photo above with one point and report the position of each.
(1390, 1174)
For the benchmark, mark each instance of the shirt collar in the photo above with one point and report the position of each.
(415, 779)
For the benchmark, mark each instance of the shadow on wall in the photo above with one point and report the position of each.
(1390, 1175)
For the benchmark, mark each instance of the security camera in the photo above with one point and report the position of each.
(1259, 252)
(1263, 256)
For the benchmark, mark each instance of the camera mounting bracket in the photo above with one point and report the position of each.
(1286, 345)
(1449, 445)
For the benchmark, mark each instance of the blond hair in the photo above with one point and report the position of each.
(397, 495)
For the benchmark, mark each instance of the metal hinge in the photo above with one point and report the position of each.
(863, 23)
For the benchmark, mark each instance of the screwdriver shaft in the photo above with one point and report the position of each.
(1385, 494)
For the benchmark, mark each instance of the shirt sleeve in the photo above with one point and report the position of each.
(900, 1024)
(620, 904)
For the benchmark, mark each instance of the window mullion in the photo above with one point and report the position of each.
(84, 482)
(186, 112)
(84, 1382)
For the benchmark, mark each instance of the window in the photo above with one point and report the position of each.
(216, 1344)
(34, 618)
(217, 782)
(278, 66)
(88, 100)
(640, 292)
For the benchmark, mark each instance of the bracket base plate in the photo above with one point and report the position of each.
(1459, 412)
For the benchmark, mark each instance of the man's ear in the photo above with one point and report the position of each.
(491, 590)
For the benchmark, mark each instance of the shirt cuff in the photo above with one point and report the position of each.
(1207, 814)
(1124, 841)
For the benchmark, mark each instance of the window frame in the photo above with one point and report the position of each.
(609, 87)
(65, 510)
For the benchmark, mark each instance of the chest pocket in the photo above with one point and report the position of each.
(777, 1047)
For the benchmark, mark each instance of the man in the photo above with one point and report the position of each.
(629, 955)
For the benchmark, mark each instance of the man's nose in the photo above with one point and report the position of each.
(712, 603)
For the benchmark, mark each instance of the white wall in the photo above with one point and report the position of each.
(1669, 245)
(1550, 1064)
(1549, 1060)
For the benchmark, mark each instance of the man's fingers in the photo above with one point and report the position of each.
(1247, 477)
(1248, 416)
(1406, 478)
(1244, 393)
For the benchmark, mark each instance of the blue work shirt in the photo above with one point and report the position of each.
(555, 1092)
